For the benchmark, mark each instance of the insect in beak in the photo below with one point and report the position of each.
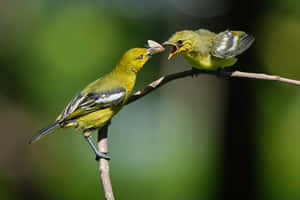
(154, 48)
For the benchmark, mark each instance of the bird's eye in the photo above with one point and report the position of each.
(140, 57)
(179, 42)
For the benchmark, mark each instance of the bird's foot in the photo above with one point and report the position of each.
(223, 73)
(98, 154)
(195, 72)
(103, 155)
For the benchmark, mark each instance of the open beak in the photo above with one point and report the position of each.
(154, 48)
(174, 49)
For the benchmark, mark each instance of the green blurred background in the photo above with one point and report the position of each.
(195, 138)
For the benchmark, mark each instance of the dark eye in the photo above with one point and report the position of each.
(140, 57)
(179, 42)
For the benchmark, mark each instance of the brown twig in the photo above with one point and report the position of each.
(104, 164)
(158, 83)
(102, 134)
(264, 77)
(165, 79)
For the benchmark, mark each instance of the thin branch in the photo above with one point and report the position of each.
(102, 134)
(104, 164)
(264, 77)
(165, 79)
(158, 83)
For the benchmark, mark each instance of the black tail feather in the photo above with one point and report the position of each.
(44, 132)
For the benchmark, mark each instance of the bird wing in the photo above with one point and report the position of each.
(229, 44)
(82, 104)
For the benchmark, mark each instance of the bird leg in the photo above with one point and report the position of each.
(196, 72)
(223, 73)
(220, 72)
(87, 136)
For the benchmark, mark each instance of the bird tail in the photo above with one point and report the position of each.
(245, 42)
(44, 132)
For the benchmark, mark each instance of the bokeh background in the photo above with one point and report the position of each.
(195, 138)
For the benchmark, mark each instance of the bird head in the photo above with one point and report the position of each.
(181, 42)
(134, 59)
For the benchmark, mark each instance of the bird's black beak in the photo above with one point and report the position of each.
(174, 49)
(154, 48)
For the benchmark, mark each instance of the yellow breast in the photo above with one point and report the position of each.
(96, 119)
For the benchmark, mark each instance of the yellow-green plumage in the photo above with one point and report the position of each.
(123, 75)
(97, 103)
(204, 49)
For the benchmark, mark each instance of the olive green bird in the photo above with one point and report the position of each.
(206, 50)
(95, 105)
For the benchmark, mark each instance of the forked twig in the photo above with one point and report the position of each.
(102, 134)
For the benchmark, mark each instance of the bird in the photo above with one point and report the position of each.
(206, 50)
(94, 106)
